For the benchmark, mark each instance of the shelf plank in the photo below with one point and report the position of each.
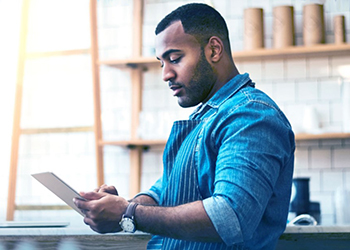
(148, 143)
(135, 143)
(294, 51)
(258, 54)
(325, 136)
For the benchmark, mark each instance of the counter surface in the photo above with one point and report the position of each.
(80, 236)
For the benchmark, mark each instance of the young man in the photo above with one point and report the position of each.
(227, 170)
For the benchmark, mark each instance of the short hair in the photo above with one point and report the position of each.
(200, 20)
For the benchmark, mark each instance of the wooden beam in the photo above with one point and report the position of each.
(136, 106)
(135, 171)
(11, 198)
(137, 28)
(96, 92)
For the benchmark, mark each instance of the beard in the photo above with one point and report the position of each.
(200, 86)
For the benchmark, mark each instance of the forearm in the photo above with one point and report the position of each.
(144, 200)
(186, 222)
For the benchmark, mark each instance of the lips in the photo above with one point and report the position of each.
(176, 89)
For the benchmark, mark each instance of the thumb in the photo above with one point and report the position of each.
(92, 195)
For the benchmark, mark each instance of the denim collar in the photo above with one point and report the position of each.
(225, 92)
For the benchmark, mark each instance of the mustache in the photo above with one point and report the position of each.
(176, 84)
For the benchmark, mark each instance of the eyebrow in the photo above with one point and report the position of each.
(168, 52)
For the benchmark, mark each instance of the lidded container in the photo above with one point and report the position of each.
(313, 24)
(253, 28)
(283, 26)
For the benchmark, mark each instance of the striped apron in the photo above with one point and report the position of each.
(180, 180)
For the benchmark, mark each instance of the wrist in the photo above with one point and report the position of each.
(128, 223)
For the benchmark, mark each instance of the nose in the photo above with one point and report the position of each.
(168, 73)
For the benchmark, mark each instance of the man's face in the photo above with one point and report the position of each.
(184, 65)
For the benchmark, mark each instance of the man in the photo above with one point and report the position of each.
(228, 170)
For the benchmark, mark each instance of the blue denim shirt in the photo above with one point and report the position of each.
(245, 159)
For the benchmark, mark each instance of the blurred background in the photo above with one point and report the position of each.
(57, 115)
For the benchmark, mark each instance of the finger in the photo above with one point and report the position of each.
(109, 190)
(81, 204)
(92, 195)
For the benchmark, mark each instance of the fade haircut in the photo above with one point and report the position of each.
(199, 20)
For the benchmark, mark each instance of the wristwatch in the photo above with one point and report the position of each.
(127, 222)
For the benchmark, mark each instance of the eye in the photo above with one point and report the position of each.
(175, 60)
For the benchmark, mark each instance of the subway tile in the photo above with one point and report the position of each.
(266, 86)
(281, 2)
(254, 69)
(331, 180)
(342, 158)
(323, 115)
(329, 89)
(264, 4)
(295, 68)
(337, 63)
(307, 91)
(336, 115)
(320, 159)
(299, 40)
(285, 91)
(328, 22)
(298, 22)
(294, 112)
(152, 13)
(236, 8)
(301, 158)
(318, 67)
(222, 7)
(235, 27)
(347, 179)
(268, 27)
(326, 202)
(236, 45)
(268, 42)
(330, 143)
(273, 69)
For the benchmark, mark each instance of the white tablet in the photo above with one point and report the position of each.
(59, 188)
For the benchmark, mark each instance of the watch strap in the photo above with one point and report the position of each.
(130, 210)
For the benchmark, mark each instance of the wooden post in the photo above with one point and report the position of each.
(16, 130)
(136, 78)
(96, 93)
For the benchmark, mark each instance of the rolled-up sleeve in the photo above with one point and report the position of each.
(226, 222)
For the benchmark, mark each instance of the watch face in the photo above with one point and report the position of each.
(127, 225)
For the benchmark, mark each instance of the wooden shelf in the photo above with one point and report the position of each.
(304, 137)
(290, 52)
(135, 143)
(149, 143)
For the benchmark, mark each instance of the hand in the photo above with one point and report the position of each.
(107, 189)
(103, 211)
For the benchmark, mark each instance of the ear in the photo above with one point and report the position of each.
(215, 48)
